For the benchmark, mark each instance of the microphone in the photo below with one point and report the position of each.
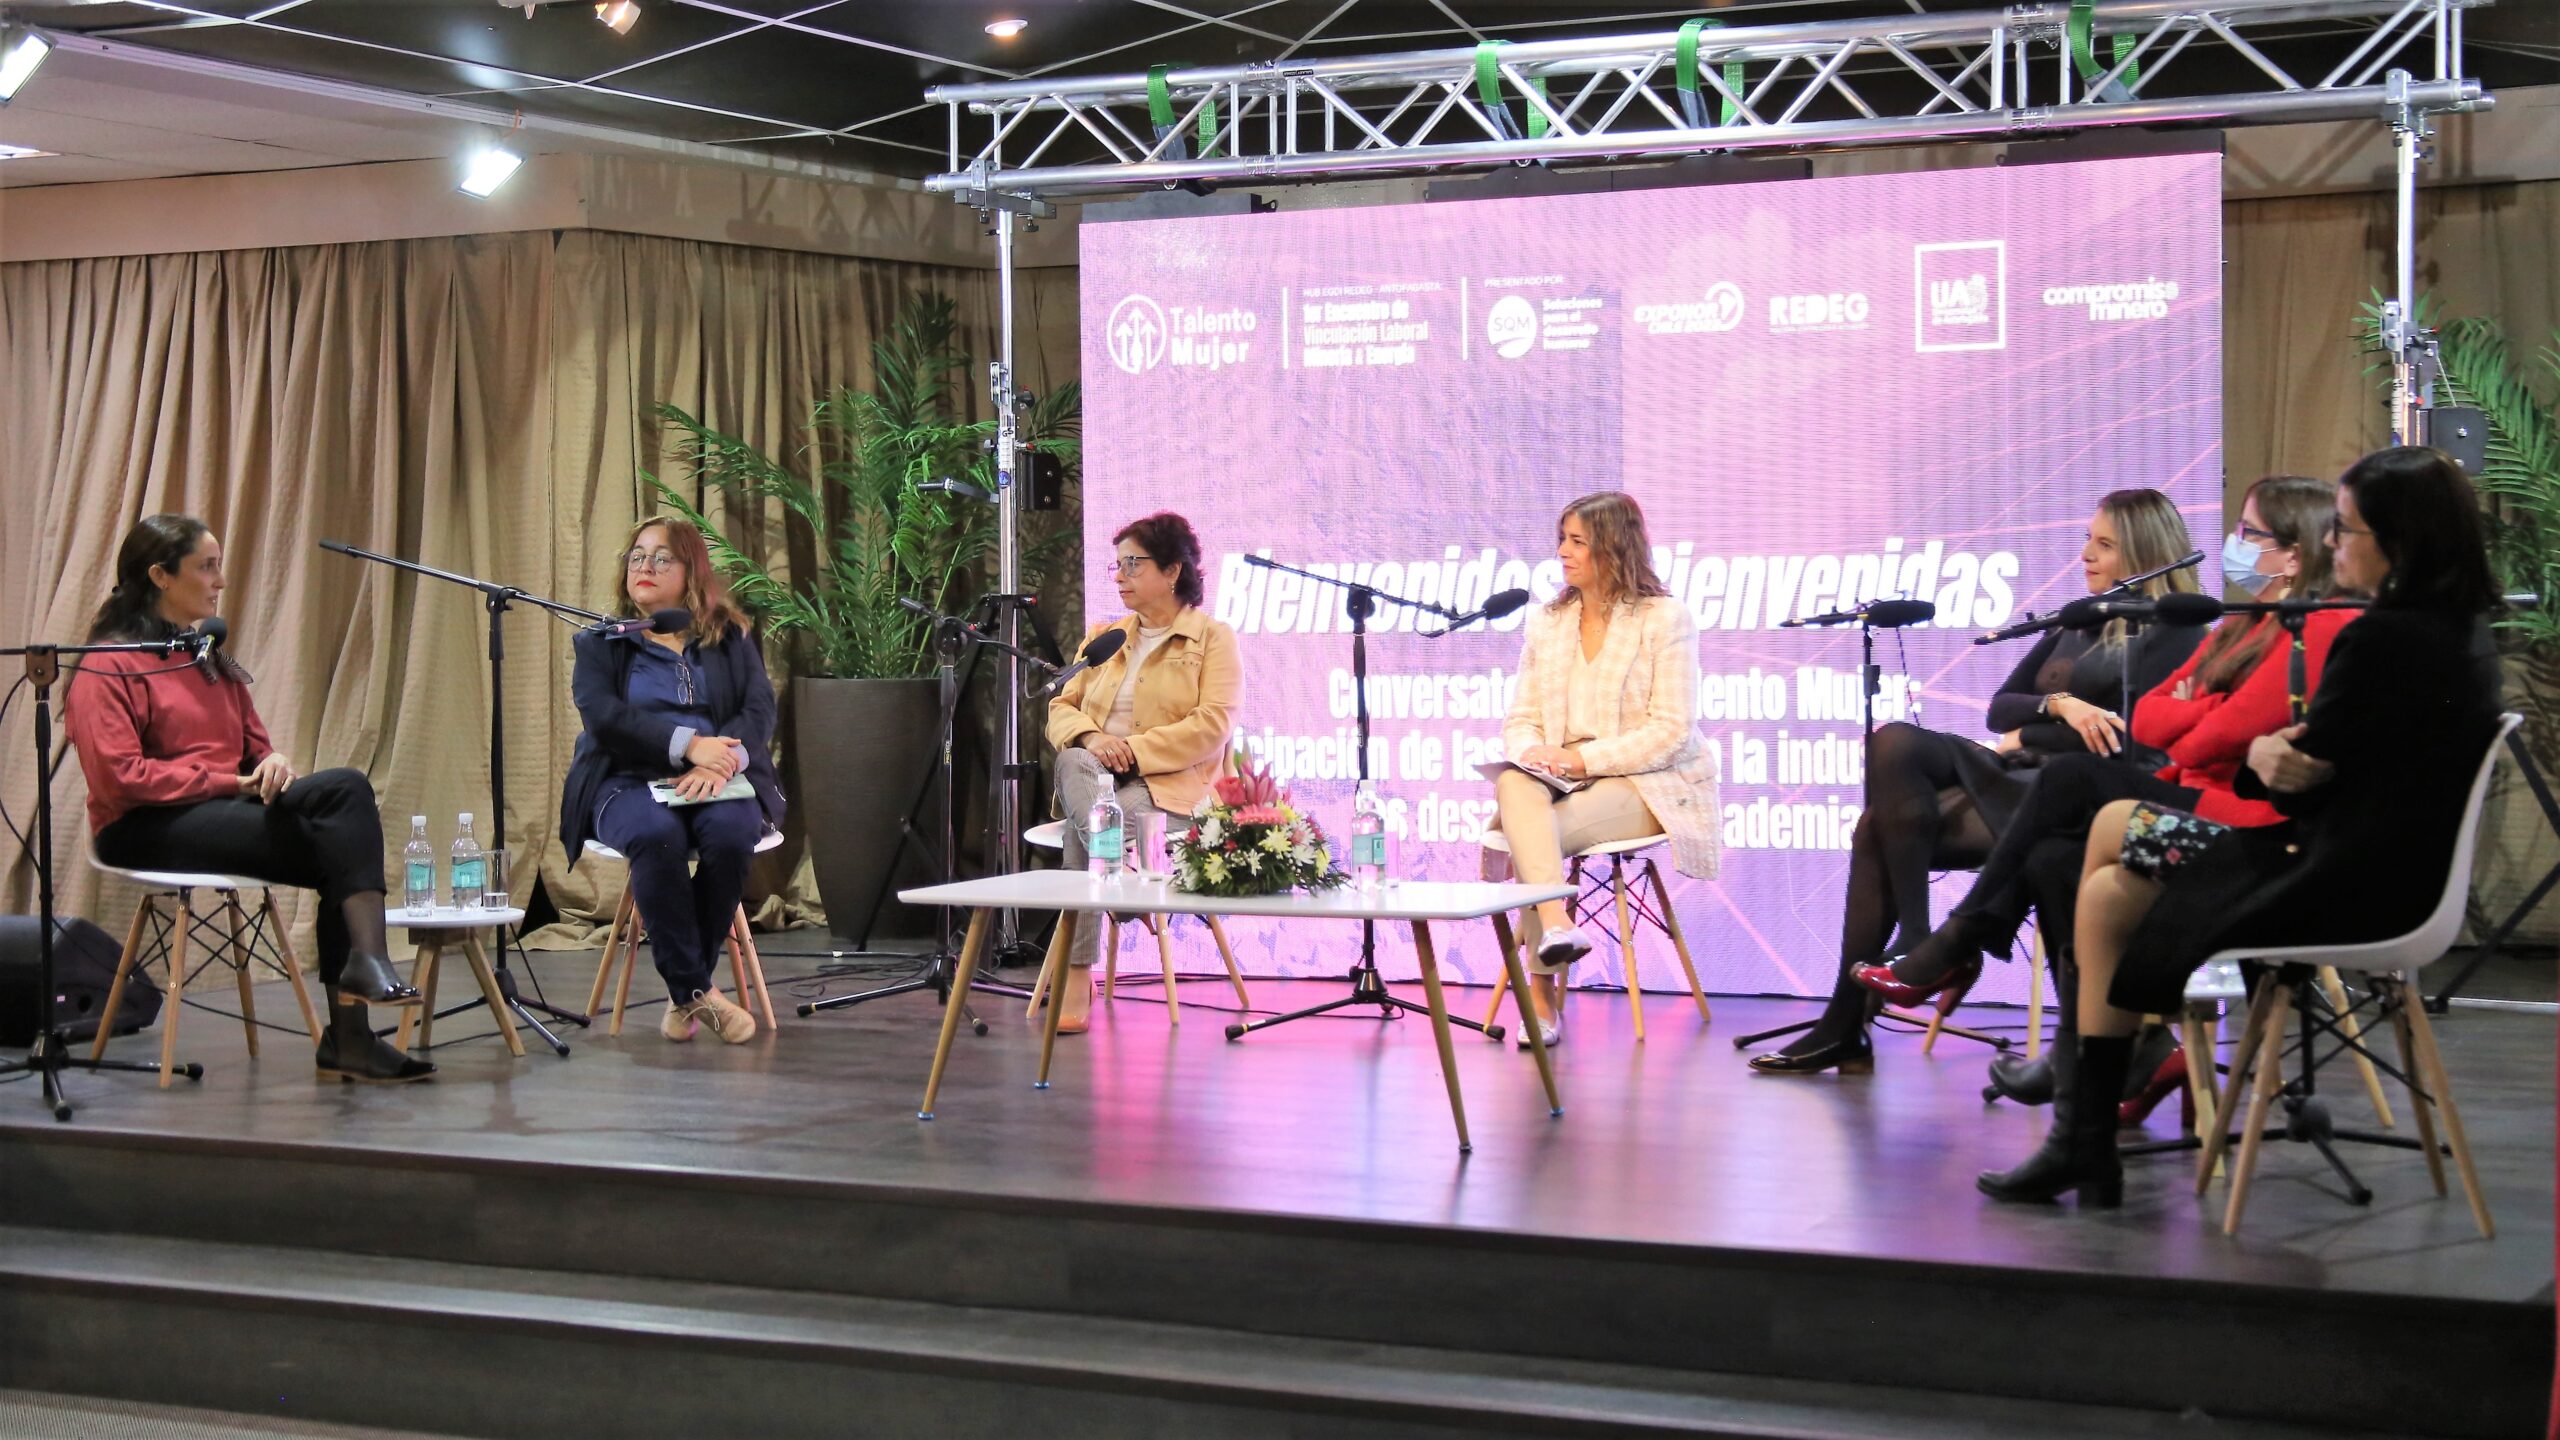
(1880, 614)
(662, 622)
(2091, 611)
(199, 639)
(2192, 557)
(1494, 608)
(1096, 650)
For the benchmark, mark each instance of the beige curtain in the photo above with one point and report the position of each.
(479, 404)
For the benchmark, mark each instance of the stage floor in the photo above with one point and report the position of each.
(1672, 1140)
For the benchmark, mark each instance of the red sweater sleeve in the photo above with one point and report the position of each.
(2262, 704)
(108, 710)
(2160, 718)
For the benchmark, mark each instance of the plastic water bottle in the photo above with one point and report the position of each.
(1104, 834)
(418, 864)
(1368, 838)
(469, 872)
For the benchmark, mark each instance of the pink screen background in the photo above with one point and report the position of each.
(1843, 387)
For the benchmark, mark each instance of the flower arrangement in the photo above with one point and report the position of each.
(1245, 838)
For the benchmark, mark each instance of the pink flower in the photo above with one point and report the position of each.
(1258, 815)
(1253, 787)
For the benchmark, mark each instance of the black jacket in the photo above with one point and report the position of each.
(2097, 675)
(618, 737)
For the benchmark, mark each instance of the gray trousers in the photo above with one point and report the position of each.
(1081, 782)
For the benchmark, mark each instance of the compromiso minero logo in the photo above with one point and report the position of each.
(1136, 335)
(2144, 299)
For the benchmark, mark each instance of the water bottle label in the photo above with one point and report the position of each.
(422, 876)
(1369, 850)
(1103, 845)
(469, 874)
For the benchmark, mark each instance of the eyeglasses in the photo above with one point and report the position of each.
(1126, 564)
(652, 560)
(2338, 527)
(2255, 535)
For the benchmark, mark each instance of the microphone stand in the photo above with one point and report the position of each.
(48, 1055)
(497, 599)
(951, 635)
(1360, 602)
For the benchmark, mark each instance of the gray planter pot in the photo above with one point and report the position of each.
(863, 747)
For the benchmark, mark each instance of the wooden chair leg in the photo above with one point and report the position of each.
(1227, 953)
(1679, 941)
(739, 985)
(142, 909)
(480, 971)
(612, 947)
(2440, 1086)
(1162, 925)
(755, 970)
(1111, 961)
(2195, 1032)
(2353, 1030)
(1052, 965)
(2035, 994)
(177, 989)
(2218, 1141)
(422, 977)
(2262, 1097)
(236, 921)
(275, 927)
(1627, 966)
(2420, 1111)
(632, 934)
(1510, 947)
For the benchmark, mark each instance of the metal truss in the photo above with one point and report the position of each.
(1905, 79)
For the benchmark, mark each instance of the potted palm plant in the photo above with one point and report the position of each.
(865, 706)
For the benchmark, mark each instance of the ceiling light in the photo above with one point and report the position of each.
(488, 168)
(1007, 29)
(620, 15)
(21, 51)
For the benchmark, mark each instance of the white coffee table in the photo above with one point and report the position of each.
(433, 932)
(1075, 894)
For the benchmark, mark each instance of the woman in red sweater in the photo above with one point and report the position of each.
(182, 777)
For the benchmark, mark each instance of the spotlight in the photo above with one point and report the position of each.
(619, 15)
(1007, 29)
(21, 51)
(488, 168)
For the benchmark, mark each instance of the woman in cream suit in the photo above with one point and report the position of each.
(1608, 675)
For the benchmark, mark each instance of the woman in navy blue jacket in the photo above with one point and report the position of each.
(685, 717)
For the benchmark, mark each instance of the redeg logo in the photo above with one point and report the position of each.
(1511, 327)
(1837, 310)
(1720, 311)
(1136, 334)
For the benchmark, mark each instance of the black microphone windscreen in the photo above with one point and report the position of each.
(214, 631)
(670, 621)
(1105, 645)
(2082, 614)
(2186, 607)
(1505, 603)
(1893, 614)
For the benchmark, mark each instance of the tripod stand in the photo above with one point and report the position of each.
(1870, 617)
(951, 634)
(497, 599)
(49, 1055)
(1360, 602)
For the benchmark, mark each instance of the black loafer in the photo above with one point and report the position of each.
(372, 1061)
(371, 979)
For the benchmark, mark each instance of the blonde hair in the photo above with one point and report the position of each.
(1621, 552)
(2150, 533)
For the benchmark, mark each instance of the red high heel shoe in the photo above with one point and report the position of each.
(2172, 1075)
(1950, 991)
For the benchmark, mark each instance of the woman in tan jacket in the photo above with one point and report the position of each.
(1607, 695)
(1151, 721)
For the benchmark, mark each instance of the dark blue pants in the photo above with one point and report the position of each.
(687, 913)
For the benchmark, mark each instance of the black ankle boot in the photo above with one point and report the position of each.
(2079, 1152)
(352, 1052)
(368, 977)
(2037, 1082)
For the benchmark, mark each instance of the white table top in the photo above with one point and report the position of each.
(1076, 890)
(445, 917)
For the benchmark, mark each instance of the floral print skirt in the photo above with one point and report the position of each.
(2158, 841)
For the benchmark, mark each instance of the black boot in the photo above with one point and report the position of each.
(351, 1051)
(2079, 1152)
(2035, 1082)
(368, 974)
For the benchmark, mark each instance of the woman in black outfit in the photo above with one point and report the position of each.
(2373, 785)
(695, 712)
(1938, 802)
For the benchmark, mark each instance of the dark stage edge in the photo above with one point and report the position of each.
(1690, 1249)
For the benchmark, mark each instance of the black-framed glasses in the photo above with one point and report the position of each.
(1126, 564)
(2338, 527)
(2256, 536)
(652, 560)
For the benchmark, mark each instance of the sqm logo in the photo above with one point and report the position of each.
(1511, 327)
(1961, 299)
(1136, 335)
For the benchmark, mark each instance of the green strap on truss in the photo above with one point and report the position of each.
(2080, 27)
(1684, 73)
(1160, 111)
(1489, 87)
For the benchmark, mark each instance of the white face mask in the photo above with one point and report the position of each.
(2240, 564)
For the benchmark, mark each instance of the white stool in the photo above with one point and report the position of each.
(250, 935)
(1053, 836)
(434, 931)
(1664, 920)
(622, 945)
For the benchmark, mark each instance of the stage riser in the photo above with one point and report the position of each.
(2030, 1335)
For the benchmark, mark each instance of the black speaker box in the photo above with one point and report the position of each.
(84, 966)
